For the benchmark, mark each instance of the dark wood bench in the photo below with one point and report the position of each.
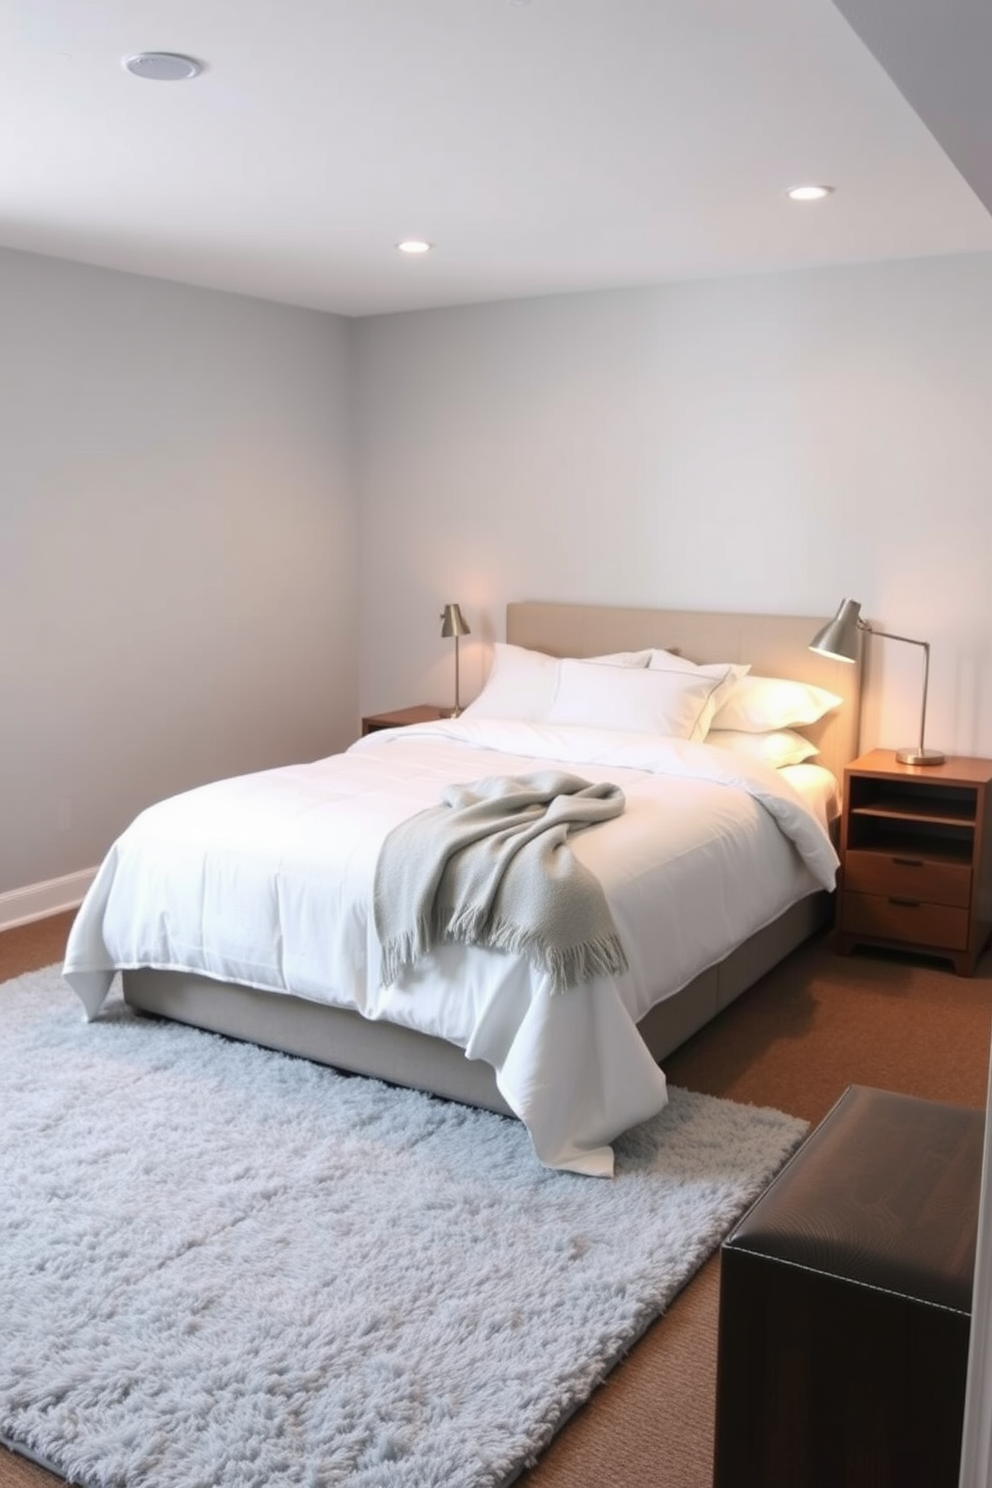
(845, 1304)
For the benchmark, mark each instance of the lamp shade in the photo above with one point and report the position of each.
(453, 622)
(839, 637)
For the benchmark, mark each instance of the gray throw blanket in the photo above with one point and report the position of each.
(491, 867)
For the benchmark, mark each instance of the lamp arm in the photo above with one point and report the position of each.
(926, 682)
(888, 635)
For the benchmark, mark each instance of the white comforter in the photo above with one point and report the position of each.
(266, 880)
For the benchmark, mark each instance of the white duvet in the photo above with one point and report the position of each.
(266, 880)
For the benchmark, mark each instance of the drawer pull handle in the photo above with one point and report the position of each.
(906, 903)
(908, 862)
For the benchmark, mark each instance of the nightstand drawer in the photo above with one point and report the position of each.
(908, 876)
(916, 922)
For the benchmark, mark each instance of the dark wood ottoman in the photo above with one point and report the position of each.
(845, 1304)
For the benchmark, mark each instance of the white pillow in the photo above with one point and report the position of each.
(778, 748)
(522, 682)
(641, 700)
(757, 704)
(621, 658)
(727, 673)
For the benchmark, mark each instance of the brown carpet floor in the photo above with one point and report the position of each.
(813, 1026)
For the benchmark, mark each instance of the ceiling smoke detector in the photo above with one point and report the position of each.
(163, 67)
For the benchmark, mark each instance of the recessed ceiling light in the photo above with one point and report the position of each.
(163, 67)
(808, 193)
(414, 245)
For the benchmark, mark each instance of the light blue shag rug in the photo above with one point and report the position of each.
(225, 1268)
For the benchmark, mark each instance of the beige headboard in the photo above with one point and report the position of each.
(774, 645)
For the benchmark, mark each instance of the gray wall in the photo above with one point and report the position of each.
(177, 549)
(765, 443)
(195, 486)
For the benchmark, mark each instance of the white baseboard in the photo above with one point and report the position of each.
(38, 901)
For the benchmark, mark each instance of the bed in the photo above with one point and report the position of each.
(469, 1023)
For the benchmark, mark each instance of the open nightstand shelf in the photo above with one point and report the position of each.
(916, 861)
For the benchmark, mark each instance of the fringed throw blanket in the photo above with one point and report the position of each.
(491, 866)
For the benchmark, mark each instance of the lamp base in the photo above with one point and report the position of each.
(454, 712)
(920, 756)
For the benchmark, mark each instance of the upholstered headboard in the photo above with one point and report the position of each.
(774, 645)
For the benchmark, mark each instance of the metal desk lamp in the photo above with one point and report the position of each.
(839, 639)
(453, 625)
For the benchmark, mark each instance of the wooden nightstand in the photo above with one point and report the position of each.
(401, 717)
(916, 857)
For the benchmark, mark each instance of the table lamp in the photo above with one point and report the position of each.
(453, 625)
(839, 639)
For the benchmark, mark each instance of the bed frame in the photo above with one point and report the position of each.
(774, 645)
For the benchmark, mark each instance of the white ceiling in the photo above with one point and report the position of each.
(547, 146)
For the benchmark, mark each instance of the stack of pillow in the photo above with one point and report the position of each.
(657, 692)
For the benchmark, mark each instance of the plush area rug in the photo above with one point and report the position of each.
(222, 1267)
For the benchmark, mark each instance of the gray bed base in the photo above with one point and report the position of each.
(402, 1056)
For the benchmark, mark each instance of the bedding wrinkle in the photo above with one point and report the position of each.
(188, 885)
